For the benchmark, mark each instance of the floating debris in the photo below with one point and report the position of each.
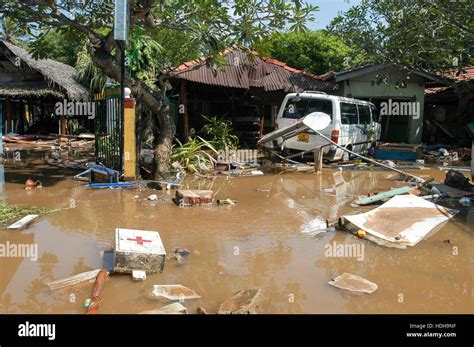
(404, 220)
(186, 197)
(353, 283)
(138, 250)
(139, 275)
(174, 308)
(173, 292)
(23, 222)
(242, 302)
(73, 280)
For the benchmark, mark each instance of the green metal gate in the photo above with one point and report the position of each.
(109, 130)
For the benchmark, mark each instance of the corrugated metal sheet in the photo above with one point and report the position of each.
(246, 69)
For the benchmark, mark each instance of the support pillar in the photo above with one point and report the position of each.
(129, 141)
(8, 107)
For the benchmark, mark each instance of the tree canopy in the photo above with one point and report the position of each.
(316, 52)
(431, 35)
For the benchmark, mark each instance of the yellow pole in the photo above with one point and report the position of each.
(129, 141)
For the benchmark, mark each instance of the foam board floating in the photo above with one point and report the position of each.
(23, 222)
(403, 221)
(173, 292)
(242, 302)
(174, 308)
(353, 283)
(73, 280)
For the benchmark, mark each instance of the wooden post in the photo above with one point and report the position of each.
(129, 141)
(62, 124)
(183, 107)
(8, 107)
(318, 159)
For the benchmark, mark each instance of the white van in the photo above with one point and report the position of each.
(352, 121)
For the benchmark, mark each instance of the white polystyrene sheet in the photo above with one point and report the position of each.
(412, 234)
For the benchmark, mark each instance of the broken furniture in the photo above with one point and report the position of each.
(399, 151)
(138, 250)
(99, 173)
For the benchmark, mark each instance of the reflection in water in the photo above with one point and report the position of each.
(256, 243)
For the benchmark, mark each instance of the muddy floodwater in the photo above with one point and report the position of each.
(261, 242)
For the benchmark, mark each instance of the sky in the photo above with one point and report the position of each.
(328, 10)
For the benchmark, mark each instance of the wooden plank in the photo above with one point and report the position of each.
(73, 280)
(23, 222)
(384, 195)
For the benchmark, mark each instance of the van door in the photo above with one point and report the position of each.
(349, 123)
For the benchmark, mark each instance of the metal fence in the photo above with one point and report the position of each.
(109, 133)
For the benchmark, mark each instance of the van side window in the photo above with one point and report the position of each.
(364, 114)
(303, 107)
(349, 113)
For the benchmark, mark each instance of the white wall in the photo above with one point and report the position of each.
(366, 87)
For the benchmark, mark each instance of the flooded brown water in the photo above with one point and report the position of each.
(257, 243)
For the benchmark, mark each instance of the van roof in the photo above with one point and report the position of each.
(318, 95)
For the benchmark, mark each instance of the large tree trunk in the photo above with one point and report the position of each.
(100, 51)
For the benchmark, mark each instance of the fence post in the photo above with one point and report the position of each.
(129, 148)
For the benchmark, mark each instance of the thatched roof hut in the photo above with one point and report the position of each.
(23, 76)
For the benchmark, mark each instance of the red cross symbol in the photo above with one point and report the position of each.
(139, 240)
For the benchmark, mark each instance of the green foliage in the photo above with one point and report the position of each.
(316, 52)
(61, 44)
(194, 155)
(88, 74)
(430, 36)
(220, 133)
(10, 31)
(11, 213)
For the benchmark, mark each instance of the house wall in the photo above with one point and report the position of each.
(365, 87)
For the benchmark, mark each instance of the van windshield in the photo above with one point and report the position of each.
(295, 109)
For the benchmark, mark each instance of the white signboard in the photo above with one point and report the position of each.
(121, 23)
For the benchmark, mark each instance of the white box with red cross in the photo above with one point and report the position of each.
(138, 250)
